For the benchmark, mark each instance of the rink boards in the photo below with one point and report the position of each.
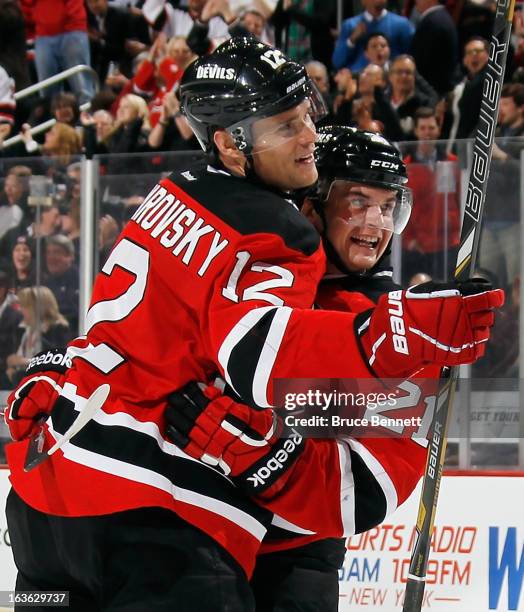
(477, 559)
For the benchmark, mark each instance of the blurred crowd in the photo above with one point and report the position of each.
(376, 71)
(411, 71)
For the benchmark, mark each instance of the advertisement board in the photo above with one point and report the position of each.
(477, 554)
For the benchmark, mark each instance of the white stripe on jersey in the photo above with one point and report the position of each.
(347, 490)
(281, 522)
(123, 419)
(269, 354)
(154, 479)
(378, 471)
(101, 356)
(144, 475)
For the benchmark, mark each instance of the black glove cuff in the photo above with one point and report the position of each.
(471, 286)
(267, 470)
(361, 325)
(54, 360)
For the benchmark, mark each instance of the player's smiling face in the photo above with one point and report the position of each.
(283, 149)
(360, 222)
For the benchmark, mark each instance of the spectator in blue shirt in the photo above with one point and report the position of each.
(350, 47)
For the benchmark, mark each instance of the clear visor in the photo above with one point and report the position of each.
(385, 207)
(271, 132)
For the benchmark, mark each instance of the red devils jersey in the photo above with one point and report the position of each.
(213, 274)
(349, 485)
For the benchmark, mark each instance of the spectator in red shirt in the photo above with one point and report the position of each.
(158, 74)
(61, 42)
(431, 240)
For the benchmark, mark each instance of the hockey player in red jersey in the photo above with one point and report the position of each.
(337, 486)
(216, 271)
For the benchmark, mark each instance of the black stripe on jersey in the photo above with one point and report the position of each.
(360, 319)
(370, 501)
(244, 358)
(141, 450)
(250, 209)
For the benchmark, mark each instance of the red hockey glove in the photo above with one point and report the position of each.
(433, 323)
(37, 393)
(247, 445)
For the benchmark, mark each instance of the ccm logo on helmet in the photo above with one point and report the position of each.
(400, 343)
(215, 72)
(277, 462)
(379, 163)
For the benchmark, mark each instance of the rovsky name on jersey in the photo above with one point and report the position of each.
(178, 228)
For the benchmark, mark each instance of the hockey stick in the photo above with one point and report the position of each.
(35, 455)
(466, 258)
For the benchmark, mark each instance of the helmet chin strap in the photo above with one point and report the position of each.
(249, 169)
(244, 146)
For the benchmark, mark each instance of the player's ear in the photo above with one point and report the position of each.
(229, 154)
(308, 210)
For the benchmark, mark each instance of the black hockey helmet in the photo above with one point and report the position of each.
(348, 155)
(241, 81)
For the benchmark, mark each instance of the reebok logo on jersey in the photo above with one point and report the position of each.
(215, 72)
(400, 342)
(275, 463)
(51, 359)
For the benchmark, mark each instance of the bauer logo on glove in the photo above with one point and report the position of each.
(400, 343)
(445, 324)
